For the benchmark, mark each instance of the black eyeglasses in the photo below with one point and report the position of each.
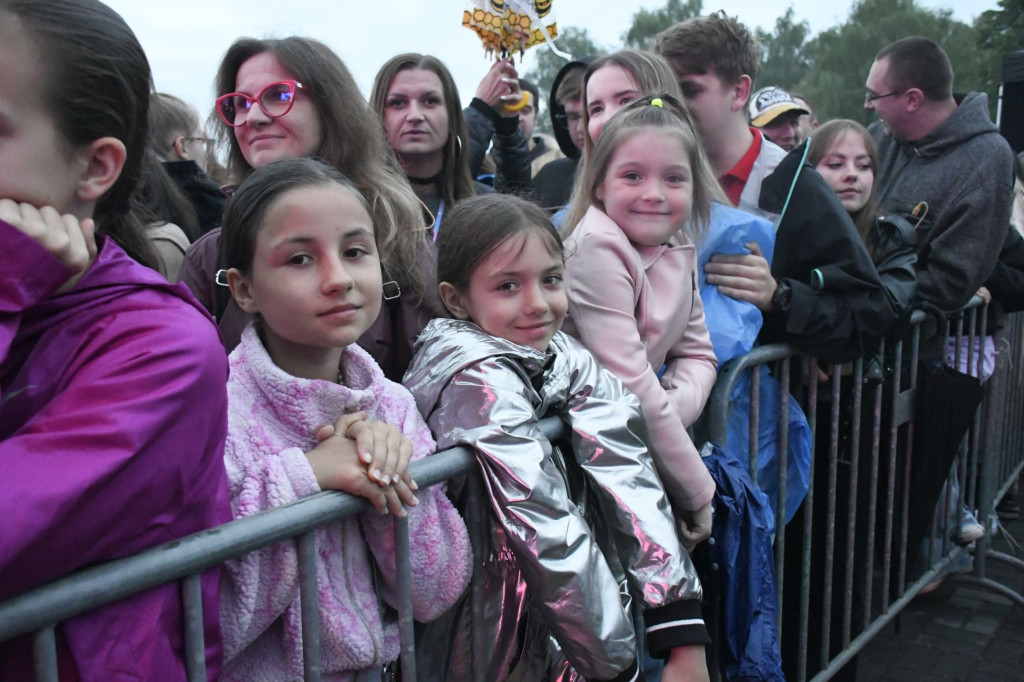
(275, 101)
(869, 97)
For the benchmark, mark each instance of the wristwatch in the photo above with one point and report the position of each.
(782, 296)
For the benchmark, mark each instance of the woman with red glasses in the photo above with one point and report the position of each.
(293, 97)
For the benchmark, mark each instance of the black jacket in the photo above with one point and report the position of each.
(839, 307)
(201, 190)
(511, 153)
(894, 251)
(552, 186)
(1007, 281)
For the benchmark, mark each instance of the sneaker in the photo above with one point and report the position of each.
(970, 529)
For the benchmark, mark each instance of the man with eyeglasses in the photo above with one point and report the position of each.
(943, 156)
(552, 184)
(943, 164)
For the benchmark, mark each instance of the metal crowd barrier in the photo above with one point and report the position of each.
(991, 458)
(40, 610)
(849, 574)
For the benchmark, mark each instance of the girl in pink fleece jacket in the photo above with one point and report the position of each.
(631, 276)
(309, 410)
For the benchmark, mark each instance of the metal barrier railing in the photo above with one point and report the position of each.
(39, 610)
(852, 559)
(989, 463)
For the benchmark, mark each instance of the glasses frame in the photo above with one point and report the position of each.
(294, 85)
(871, 99)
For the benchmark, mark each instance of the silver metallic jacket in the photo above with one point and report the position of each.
(562, 525)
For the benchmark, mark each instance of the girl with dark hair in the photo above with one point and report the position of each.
(112, 399)
(293, 97)
(303, 256)
(483, 380)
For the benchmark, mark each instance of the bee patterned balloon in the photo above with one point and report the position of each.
(509, 27)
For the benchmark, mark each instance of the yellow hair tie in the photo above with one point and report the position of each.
(520, 105)
(656, 102)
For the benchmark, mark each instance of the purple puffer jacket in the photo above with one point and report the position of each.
(112, 424)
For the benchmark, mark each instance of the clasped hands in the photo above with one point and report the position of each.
(365, 458)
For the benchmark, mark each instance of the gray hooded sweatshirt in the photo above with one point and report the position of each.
(963, 171)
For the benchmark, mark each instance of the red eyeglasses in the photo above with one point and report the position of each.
(275, 101)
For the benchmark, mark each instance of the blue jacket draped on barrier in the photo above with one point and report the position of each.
(734, 326)
(745, 579)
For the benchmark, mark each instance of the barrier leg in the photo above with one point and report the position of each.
(195, 645)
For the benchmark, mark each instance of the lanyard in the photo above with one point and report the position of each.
(437, 220)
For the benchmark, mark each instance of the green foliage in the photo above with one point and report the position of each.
(785, 62)
(574, 41)
(831, 67)
(998, 32)
(841, 56)
(648, 23)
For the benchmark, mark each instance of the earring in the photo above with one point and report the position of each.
(458, 145)
(391, 290)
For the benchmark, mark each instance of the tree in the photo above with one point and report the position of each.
(785, 62)
(998, 32)
(649, 23)
(575, 41)
(841, 56)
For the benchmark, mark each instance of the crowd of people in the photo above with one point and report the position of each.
(365, 282)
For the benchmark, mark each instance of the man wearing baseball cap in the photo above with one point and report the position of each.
(777, 114)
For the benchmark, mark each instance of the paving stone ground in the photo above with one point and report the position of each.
(959, 632)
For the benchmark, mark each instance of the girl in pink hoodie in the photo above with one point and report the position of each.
(309, 410)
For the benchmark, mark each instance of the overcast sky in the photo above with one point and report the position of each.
(185, 39)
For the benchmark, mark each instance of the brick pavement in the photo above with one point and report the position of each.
(957, 633)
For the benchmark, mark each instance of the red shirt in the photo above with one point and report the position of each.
(735, 179)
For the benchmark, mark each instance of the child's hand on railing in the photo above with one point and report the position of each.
(369, 459)
(694, 527)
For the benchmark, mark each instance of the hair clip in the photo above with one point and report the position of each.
(656, 102)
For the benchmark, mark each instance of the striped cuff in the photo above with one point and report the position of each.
(677, 624)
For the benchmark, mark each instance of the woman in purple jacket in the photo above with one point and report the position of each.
(112, 381)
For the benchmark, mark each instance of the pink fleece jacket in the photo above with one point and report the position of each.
(272, 417)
